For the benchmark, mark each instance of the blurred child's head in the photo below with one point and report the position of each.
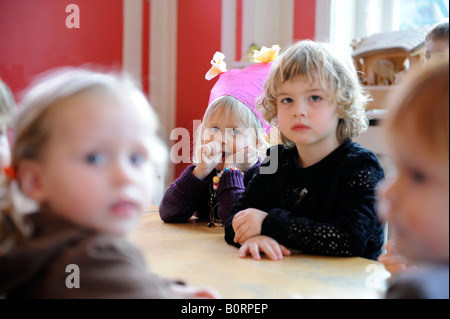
(414, 200)
(232, 123)
(85, 147)
(320, 63)
(437, 40)
(7, 108)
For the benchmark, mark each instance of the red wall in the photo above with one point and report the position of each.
(239, 14)
(199, 29)
(146, 32)
(304, 19)
(35, 38)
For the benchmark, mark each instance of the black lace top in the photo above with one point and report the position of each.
(327, 208)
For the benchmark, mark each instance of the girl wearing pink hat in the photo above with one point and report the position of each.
(229, 144)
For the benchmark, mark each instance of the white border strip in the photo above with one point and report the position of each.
(132, 39)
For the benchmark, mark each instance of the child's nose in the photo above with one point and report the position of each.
(121, 172)
(299, 109)
(224, 137)
(229, 137)
(217, 137)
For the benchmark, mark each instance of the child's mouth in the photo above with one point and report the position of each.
(124, 208)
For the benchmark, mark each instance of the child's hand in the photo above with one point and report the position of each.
(247, 223)
(189, 292)
(243, 159)
(210, 156)
(254, 245)
(392, 260)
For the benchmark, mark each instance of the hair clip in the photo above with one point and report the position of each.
(266, 55)
(10, 172)
(218, 66)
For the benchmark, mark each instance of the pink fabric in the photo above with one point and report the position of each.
(246, 85)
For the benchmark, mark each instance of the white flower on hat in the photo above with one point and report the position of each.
(218, 66)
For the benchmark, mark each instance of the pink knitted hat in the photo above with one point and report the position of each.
(246, 85)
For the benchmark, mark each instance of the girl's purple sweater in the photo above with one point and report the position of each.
(189, 196)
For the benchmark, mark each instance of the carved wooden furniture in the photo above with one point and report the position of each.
(384, 58)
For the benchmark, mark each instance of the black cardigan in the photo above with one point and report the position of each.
(326, 209)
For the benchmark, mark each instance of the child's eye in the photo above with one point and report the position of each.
(418, 176)
(315, 98)
(287, 100)
(95, 158)
(214, 129)
(235, 131)
(137, 159)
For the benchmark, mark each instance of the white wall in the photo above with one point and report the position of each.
(162, 77)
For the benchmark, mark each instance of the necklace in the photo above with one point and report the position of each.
(213, 204)
(214, 200)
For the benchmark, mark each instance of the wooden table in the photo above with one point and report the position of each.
(199, 256)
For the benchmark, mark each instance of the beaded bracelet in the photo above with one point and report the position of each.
(216, 179)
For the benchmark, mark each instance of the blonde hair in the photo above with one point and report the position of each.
(337, 75)
(231, 108)
(7, 103)
(422, 104)
(33, 126)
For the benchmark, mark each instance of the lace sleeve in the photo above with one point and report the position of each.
(318, 238)
(306, 235)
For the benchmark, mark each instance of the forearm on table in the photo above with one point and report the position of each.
(181, 197)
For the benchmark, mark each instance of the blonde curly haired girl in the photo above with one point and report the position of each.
(320, 198)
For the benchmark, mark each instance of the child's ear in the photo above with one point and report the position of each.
(30, 178)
